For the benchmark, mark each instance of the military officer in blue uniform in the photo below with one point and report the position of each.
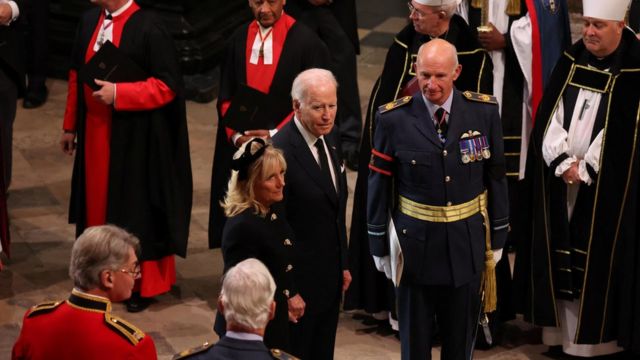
(437, 172)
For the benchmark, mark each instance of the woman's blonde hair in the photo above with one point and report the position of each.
(254, 161)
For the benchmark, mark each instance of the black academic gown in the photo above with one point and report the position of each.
(150, 186)
(610, 291)
(302, 50)
(369, 288)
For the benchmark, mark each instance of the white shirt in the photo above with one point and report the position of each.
(106, 28)
(264, 35)
(243, 335)
(311, 139)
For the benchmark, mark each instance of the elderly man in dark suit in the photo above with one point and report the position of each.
(315, 197)
(437, 171)
(247, 303)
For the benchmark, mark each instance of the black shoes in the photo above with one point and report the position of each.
(35, 98)
(136, 303)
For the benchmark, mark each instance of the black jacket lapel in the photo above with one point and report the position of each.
(309, 164)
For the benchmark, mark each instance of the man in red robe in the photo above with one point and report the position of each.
(266, 55)
(132, 166)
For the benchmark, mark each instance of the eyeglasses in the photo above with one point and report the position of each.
(135, 272)
(419, 14)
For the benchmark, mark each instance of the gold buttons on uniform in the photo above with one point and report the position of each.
(449, 203)
(274, 217)
(444, 153)
(404, 231)
(286, 292)
(289, 267)
(447, 178)
(413, 162)
(287, 242)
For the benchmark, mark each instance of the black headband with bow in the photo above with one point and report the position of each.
(242, 163)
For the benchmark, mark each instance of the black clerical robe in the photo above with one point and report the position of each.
(149, 180)
(609, 293)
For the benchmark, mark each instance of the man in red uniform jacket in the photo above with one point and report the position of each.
(132, 167)
(82, 327)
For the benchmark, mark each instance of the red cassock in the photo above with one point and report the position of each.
(157, 275)
(81, 327)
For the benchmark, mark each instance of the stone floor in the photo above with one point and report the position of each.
(41, 237)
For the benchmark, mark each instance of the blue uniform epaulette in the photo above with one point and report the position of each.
(394, 104)
(474, 96)
(44, 308)
(127, 330)
(185, 354)
(282, 355)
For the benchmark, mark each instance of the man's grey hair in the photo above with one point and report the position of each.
(448, 9)
(247, 294)
(104, 247)
(308, 79)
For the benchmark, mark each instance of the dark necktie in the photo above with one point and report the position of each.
(441, 123)
(324, 162)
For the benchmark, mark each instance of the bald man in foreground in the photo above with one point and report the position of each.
(437, 172)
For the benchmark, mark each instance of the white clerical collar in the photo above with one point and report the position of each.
(121, 10)
(262, 46)
(309, 138)
(243, 336)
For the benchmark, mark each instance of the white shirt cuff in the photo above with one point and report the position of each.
(273, 132)
(565, 165)
(583, 173)
(235, 137)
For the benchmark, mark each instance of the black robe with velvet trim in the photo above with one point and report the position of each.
(610, 291)
(150, 185)
(369, 288)
(302, 50)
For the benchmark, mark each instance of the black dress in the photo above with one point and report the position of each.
(269, 239)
